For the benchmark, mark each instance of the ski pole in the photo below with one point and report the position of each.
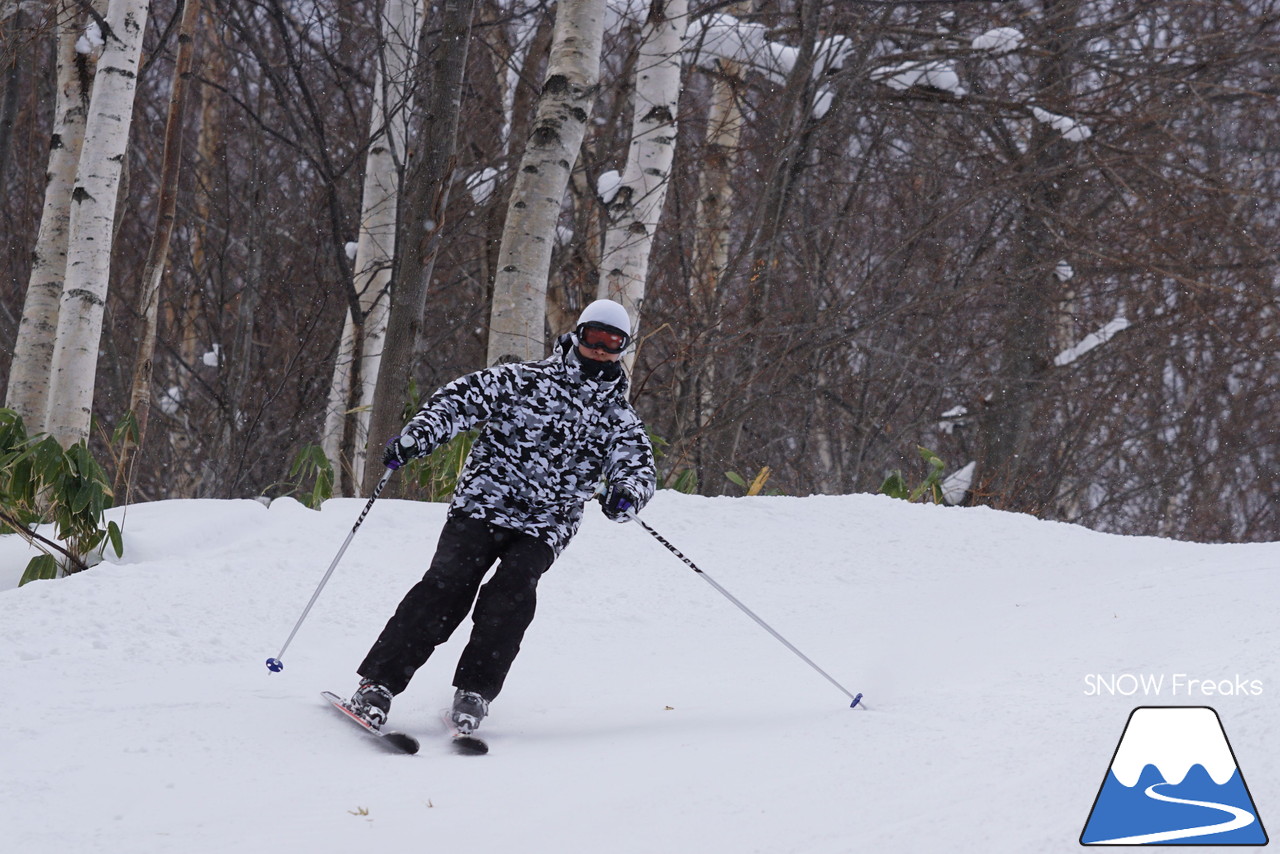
(275, 665)
(857, 698)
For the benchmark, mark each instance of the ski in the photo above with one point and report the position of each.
(462, 740)
(469, 745)
(398, 741)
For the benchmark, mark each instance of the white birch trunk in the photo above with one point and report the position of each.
(724, 129)
(28, 391)
(158, 253)
(375, 247)
(518, 318)
(84, 291)
(185, 470)
(523, 32)
(636, 207)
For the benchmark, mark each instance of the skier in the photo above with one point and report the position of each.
(548, 431)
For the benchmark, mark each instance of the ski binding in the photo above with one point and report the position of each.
(398, 741)
(462, 739)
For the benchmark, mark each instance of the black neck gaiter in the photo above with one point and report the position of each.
(594, 370)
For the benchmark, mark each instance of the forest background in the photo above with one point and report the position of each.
(1035, 238)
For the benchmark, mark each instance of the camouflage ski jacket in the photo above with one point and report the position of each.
(547, 434)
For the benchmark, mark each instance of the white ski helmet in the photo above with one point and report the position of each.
(607, 314)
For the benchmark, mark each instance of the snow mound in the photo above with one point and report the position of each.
(645, 712)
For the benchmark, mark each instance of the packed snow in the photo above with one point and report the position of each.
(1000, 657)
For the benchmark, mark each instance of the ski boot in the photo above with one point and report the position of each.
(372, 701)
(469, 708)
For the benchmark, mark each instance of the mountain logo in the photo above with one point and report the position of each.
(1173, 780)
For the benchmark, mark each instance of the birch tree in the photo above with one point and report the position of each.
(13, 23)
(730, 50)
(421, 221)
(84, 291)
(711, 238)
(158, 255)
(711, 249)
(185, 313)
(518, 316)
(78, 50)
(637, 205)
(355, 372)
(520, 52)
(1007, 467)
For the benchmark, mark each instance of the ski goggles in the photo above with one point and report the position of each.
(604, 338)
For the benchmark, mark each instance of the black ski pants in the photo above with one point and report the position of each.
(435, 606)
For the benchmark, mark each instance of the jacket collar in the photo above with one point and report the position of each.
(567, 354)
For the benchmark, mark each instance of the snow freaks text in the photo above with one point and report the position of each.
(1168, 685)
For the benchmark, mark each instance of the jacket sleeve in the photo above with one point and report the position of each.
(630, 462)
(459, 406)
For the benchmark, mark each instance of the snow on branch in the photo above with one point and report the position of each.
(722, 38)
(931, 73)
(952, 419)
(938, 73)
(482, 184)
(91, 40)
(999, 41)
(1094, 339)
(608, 184)
(1065, 125)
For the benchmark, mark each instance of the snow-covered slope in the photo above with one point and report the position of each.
(645, 713)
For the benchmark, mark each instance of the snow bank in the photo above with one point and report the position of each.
(645, 712)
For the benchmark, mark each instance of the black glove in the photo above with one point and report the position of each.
(399, 450)
(616, 502)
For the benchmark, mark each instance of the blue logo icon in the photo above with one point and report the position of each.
(1174, 780)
